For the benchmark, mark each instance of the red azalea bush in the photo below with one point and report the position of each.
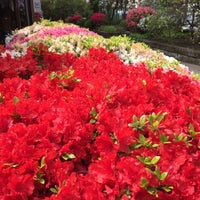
(134, 15)
(37, 16)
(93, 127)
(74, 19)
(2, 48)
(98, 18)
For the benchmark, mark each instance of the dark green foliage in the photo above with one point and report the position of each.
(61, 9)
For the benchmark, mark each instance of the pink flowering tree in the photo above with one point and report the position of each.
(135, 15)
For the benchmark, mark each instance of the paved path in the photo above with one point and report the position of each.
(192, 67)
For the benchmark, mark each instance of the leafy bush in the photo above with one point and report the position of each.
(123, 24)
(139, 37)
(196, 37)
(107, 28)
(162, 26)
(61, 9)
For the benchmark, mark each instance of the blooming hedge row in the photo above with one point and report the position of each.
(62, 38)
(93, 127)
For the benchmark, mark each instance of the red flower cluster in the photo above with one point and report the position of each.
(98, 18)
(93, 127)
(2, 48)
(74, 18)
(37, 16)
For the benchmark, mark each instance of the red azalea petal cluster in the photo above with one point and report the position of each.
(37, 16)
(93, 127)
(2, 48)
(134, 15)
(98, 18)
(74, 18)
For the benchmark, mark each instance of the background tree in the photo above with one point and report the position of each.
(115, 9)
(186, 12)
(61, 9)
(173, 16)
(94, 5)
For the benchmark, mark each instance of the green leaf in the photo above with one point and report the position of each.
(94, 116)
(14, 165)
(39, 178)
(147, 160)
(162, 116)
(138, 124)
(108, 97)
(42, 162)
(157, 172)
(178, 137)
(136, 146)
(68, 156)
(135, 119)
(152, 191)
(113, 138)
(144, 183)
(52, 75)
(155, 160)
(55, 189)
(142, 120)
(167, 189)
(93, 112)
(93, 121)
(164, 139)
(76, 80)
(192, 132)
(155, 124)
(15, 100)
(150, 118)
(149, 170)
(163, 176)
(142, 139)
(140, 158)
(155, 145)
(71, 72)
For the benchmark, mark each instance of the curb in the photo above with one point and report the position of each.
(180, 53)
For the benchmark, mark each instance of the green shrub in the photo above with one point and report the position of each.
(61, 9)
(162, 27)
(196, 37)
(139, 37)
(107, 28)
(88, 24)
(122, 24)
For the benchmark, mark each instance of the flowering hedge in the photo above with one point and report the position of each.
(92, 127)
(135, 15)
(61, 38)
(43, 32)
